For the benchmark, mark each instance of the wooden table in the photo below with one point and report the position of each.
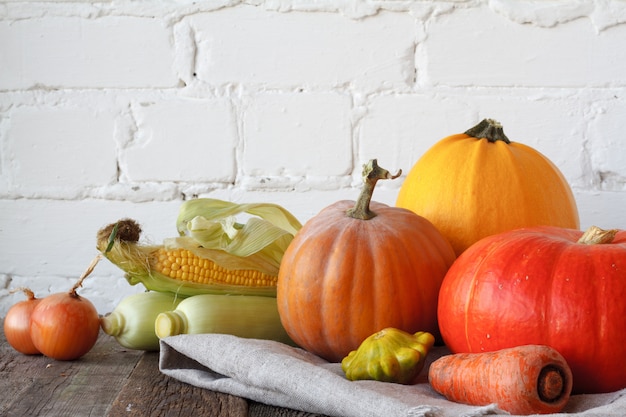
(111, 381)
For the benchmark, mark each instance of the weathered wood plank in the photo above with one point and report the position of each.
(166, 396)
(111, 381)
(37, 385)
(264, 410)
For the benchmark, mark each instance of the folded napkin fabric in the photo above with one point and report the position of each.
(277, 374)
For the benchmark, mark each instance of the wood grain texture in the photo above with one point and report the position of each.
(37, 385)
(264, 410)
(166, 396)
(111, 381)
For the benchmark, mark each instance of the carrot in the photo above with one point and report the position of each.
(530, 379)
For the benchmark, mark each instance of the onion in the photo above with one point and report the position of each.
(65, 326)
(17, 324)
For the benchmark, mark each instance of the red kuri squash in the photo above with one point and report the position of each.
(357, 268)
(543, 285)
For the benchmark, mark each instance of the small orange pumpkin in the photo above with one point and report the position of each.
(357, 268)
(478, 183)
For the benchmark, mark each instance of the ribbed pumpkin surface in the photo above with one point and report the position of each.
(343, 279)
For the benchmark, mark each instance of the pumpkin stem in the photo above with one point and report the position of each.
(595, 236)
(488, 129)
(371, 174)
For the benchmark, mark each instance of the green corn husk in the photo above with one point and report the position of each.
(132, 320)
(239, 315)
(263, 239)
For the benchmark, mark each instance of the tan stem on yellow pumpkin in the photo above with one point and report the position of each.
(488, 129)
(371, 174)
(595, 236)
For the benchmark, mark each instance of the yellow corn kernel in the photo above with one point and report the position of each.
(183, 265)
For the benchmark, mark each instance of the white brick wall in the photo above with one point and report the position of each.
(76, 52)
(124, 109)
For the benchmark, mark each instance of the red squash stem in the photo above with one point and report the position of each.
(596, 236)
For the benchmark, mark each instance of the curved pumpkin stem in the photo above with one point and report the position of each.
(595, 236)
(488, 129)
(371, 174)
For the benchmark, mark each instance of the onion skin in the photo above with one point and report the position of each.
(64, 326)
(17, 325)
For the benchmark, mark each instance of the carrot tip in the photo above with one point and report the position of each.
(551, 384)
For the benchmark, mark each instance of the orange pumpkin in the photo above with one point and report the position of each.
(479, 183)
(357, 268)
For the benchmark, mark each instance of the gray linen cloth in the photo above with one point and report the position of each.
(277, 374)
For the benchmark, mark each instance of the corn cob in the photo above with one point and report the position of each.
(238, 258)
(177, 266)
(182, 264)
(239, 315)
(132, 320)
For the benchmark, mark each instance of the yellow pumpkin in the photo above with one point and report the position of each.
(479, 183)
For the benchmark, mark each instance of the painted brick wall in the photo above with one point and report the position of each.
(125, 109)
